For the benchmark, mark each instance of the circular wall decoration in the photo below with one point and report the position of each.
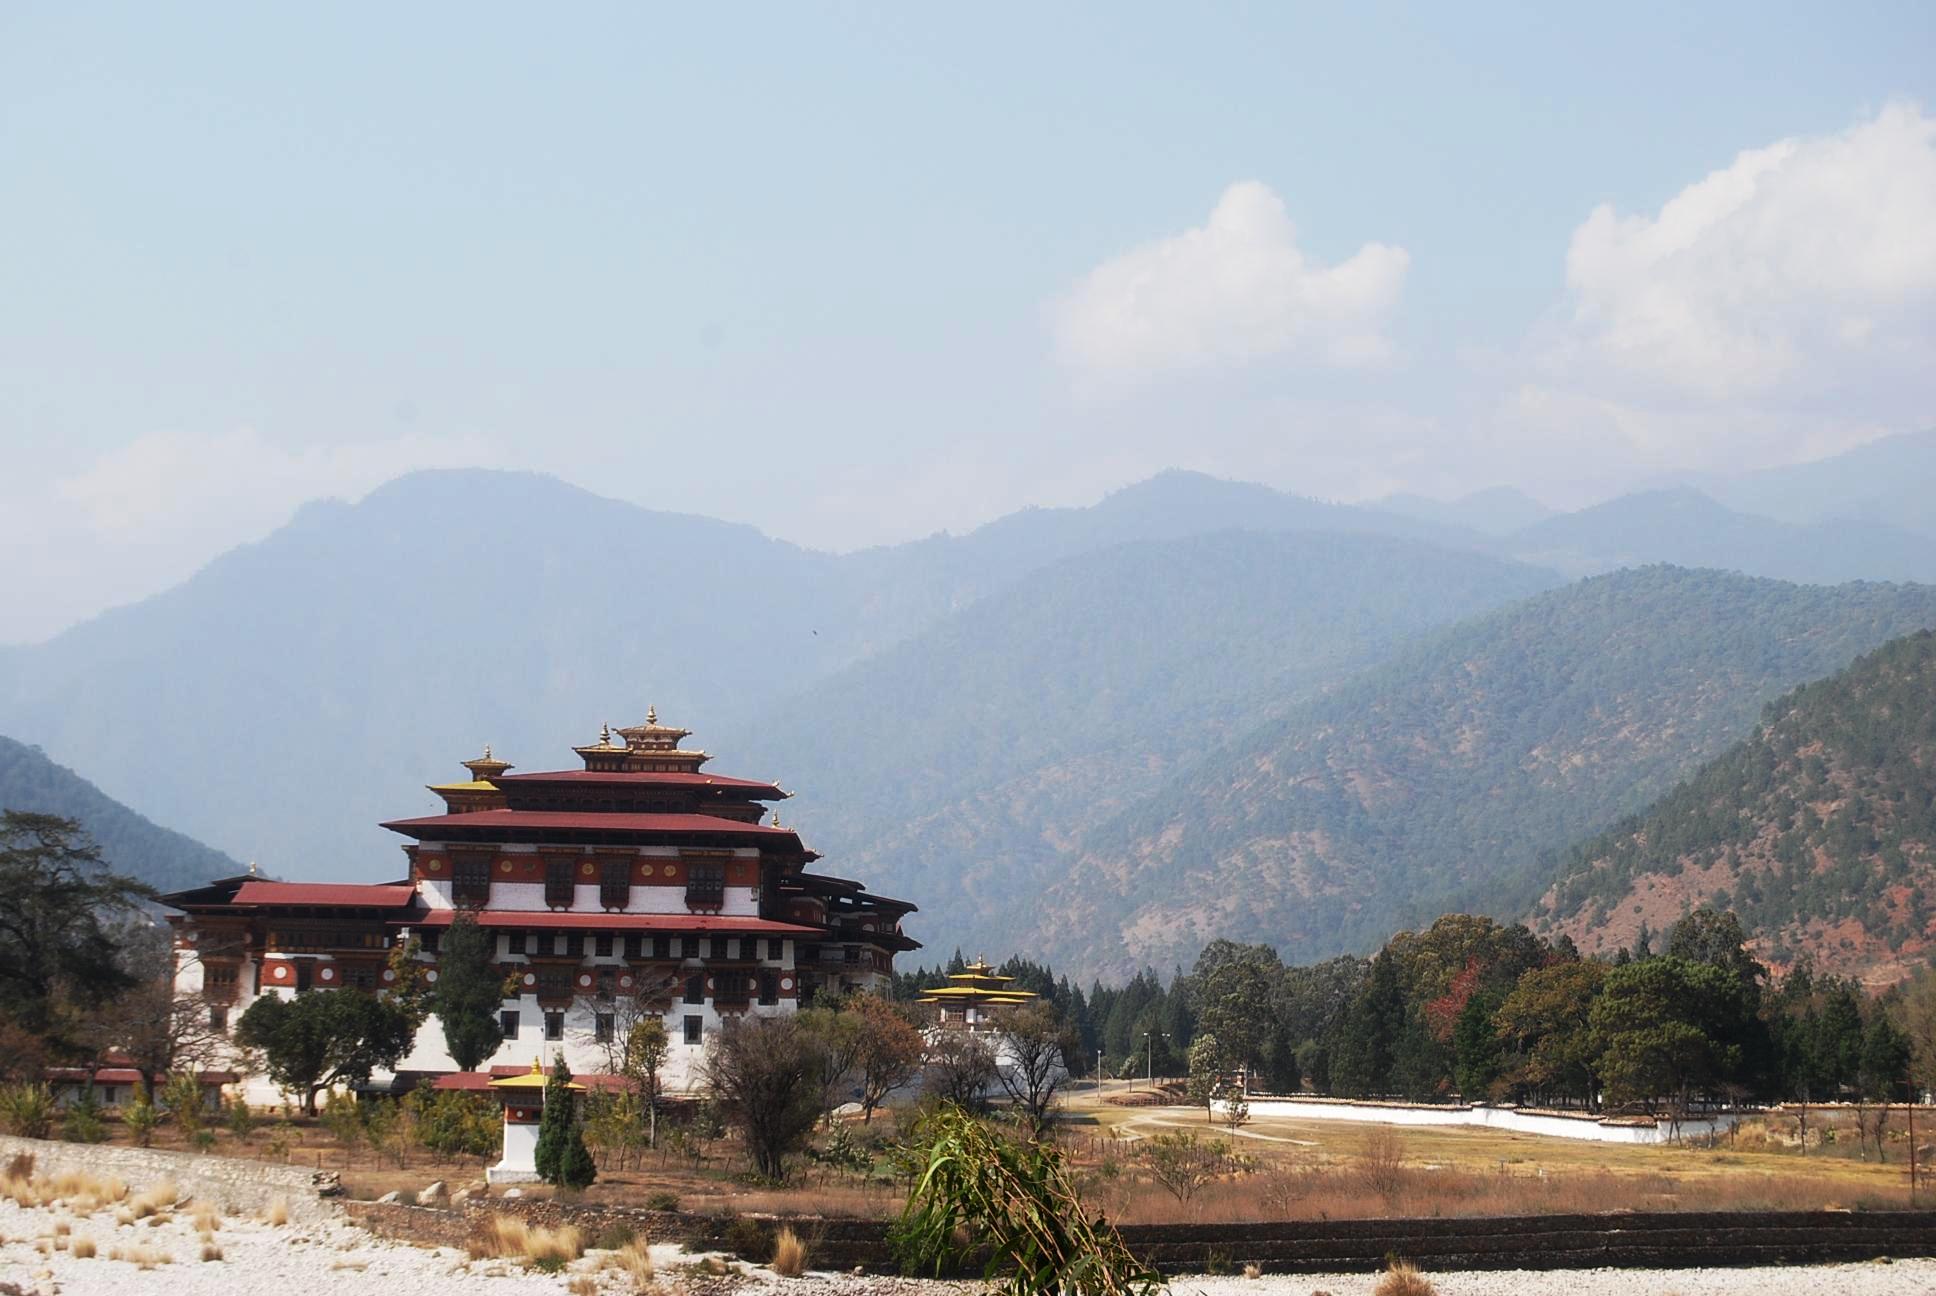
(529, 979)
(786, 983)
(433, 866)
(625, 982)
(584, 979)
(279, 972)
(431, 975)
(585, 869)
(504, 866)
(326, 974)
(389, 974)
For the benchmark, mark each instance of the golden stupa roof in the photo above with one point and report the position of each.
(535, 1078)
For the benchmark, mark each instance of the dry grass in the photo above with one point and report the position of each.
(205, 1216)
(634, 1259)
(789, 1254)
(583, 1285)
(161, 1197)
(278, 1212)
(509, 1237)
(211, 1252)
(62, 1228)
(83, 1247)
(1404, 1279)
(141, 1257)
(84, 1194)
(123, 1217)
(1253, 1272)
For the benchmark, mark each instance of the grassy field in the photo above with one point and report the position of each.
(1333, 1169)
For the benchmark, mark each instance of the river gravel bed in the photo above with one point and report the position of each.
(341, 1259)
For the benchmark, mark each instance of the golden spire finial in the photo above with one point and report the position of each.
(536, 1067)
(605, 735)
(651, 714)
(487, 751)
(251, 868)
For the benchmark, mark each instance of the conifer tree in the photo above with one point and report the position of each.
(556, 1129)
(469, 993)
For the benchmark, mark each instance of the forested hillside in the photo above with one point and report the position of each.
(957, 768)
(1819, 830)
(130, 844)
(1438, 780)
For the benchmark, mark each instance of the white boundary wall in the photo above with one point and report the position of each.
(1506, 1118)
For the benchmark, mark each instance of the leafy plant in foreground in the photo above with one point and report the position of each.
(979, 1190)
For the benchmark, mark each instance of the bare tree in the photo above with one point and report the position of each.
(891, 1051)
(1035, 1040)
(765, 1074)
(960, 1067)
(160, 1028)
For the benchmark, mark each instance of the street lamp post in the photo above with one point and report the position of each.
(1149, 1055)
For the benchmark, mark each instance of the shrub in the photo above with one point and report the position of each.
(1381, 1162)
(278, 1212)
(27, 1110)
(83, 1248)
(662, 1201)
(789, 1254)
(613, 1237)
(83, 1122)
(241, 1121)
(140, 1119)
(186, 1101)
(748, 1239)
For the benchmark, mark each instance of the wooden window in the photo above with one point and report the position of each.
(769, 988)
(430, 941)
(695, 1029)
(218, 1018)
(575, 945)
(507, 1024)
(602, 1024)
(554, 1025)
(554, 982)
(470, 880)
(705, 885)
(718, 949)
(605, 983)
(615, 883)
(603, 945)
(514, 943)
(696, 988)
(633, 944)
(689, 947)
(559, 886)
(775, 948)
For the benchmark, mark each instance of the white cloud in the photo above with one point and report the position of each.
(1799, 268)
(145, 515)
(1232, 290)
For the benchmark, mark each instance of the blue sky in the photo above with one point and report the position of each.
(857, 274)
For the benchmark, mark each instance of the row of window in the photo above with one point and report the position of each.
(471, 882)
(728, 987)
(640, 946)
(603, 1026)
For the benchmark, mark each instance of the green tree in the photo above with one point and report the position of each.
(470, 991)
(1475, 1046)
(1361, 1058)
(1660, 1028)
(324, 1037)
(765, 1075)
(1207, 1065)
(561, 1157)
(1036, 1042)
(57, 927)
(1545, 1025)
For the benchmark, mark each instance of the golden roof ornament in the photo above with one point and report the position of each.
(651, 714)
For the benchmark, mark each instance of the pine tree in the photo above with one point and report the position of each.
(470, 991)
(556, 1129)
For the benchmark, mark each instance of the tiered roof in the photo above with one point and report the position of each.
(978, 984)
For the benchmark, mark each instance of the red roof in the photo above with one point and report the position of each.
(379, 896)
(644, 777)
(578, 820)
(480, 1081)
(543, 919)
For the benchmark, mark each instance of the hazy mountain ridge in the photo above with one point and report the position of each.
(131, 844)
(303, 686)
(1819, 830)
(952, 767)
(1441, 777)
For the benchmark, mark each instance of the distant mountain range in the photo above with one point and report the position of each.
(1444, 778)
(1819, 830)
(992, 722)
(130, 844)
